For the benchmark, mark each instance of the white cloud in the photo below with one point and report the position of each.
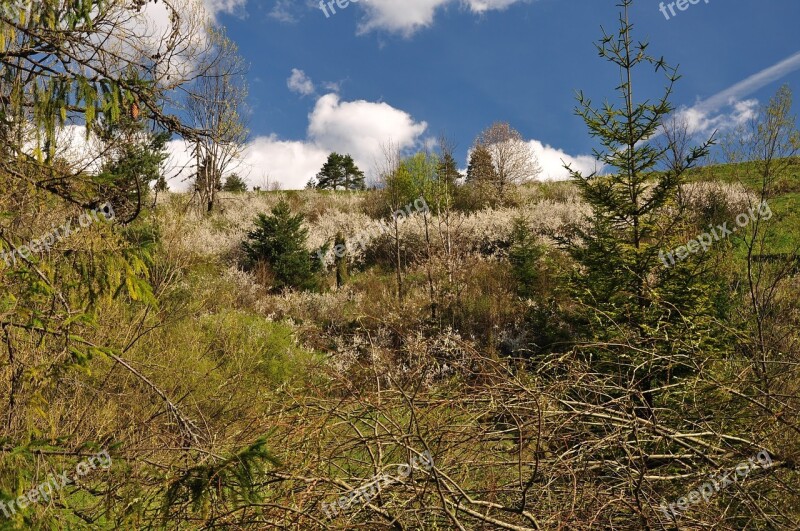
(704, 122)
(552, 162)
(729, 109)
(753, 83)
(290, 163)
(359, 128)
(300, 83)
(215, 7)
(284, 11)
(409, 16)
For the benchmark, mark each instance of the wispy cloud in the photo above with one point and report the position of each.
(750, 85)
(729, 108)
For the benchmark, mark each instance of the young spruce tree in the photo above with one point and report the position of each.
(279, 240)
(646, 319)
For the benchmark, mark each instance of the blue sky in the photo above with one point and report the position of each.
(407, 70)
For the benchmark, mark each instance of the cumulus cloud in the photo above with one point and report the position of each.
(552, 161)
(359, 128)
(288, 162)
(701, 121)
(300, 83)
(409, 16)
(284, 11)
(215, 7)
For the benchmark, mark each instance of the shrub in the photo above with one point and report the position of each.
(279, 240)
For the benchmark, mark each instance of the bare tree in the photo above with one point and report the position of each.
(388, 172)
(512, 157)
(767, 144)
(677, 141)
(216, 105)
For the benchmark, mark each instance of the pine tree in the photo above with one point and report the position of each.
(279, 240)
(340, 170)
(353, 177)
(161, 185)
(524, 255)
(481, 168)
(635, 298)
(447, 172)
(133, 163)
(235, 184)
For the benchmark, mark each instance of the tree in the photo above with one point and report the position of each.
(761, 151)
(480, 190)
(234, 183)
(132, 156)
(512, 158)
(161, 185)
(525, 255)
(622, 278)
(279, 240)
(397, 191)
(215, 105)
(86, 64)
(340, 170)
(677, 141)
(481, 167)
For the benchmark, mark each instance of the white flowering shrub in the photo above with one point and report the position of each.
(546, 210)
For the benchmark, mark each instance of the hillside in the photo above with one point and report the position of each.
(408, 346)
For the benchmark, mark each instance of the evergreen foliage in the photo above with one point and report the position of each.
(481, 168)
(340, 171)
(635, 216)
(235, 184)
(279, 240)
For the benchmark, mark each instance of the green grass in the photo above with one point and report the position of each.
(783, 229)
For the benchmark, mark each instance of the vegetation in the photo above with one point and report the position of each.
(278, 242)
(340, 171)
(234, 184)
(524, 340)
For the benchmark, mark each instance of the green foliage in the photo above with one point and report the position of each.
(415, 177)
(232, 482)
(135, 163)
(481, 168)
(632, 297)
(57, 88)
(421, 172)
(447, 171)
(524, 256)
(235, 184)
(161, 185)
(340, 171)
(279, 240)
(480, 190)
